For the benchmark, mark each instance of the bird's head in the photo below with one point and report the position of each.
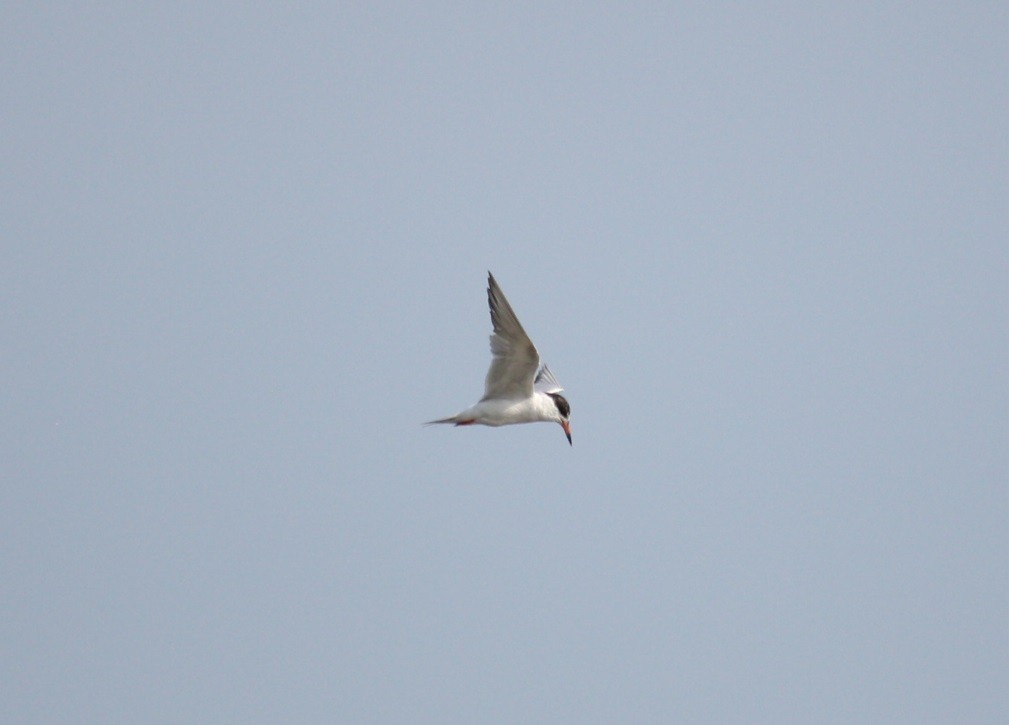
(563, 413)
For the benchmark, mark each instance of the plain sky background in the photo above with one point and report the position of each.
(764, 247)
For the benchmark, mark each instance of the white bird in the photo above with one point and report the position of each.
(518, 389)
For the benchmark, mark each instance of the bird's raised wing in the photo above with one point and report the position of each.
(546, 382)
(515, 359)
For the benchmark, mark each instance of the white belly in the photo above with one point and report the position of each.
(506, 412)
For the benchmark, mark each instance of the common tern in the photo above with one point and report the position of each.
(517, 389)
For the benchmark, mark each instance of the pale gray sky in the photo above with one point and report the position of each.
(763, 246)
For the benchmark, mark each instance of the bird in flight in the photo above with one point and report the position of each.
(517, 389)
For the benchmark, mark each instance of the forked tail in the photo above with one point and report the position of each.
(453, 419)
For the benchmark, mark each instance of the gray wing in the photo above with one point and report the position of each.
(515, 359)
(546, 382)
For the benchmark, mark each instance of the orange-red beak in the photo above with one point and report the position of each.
(567, 431)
